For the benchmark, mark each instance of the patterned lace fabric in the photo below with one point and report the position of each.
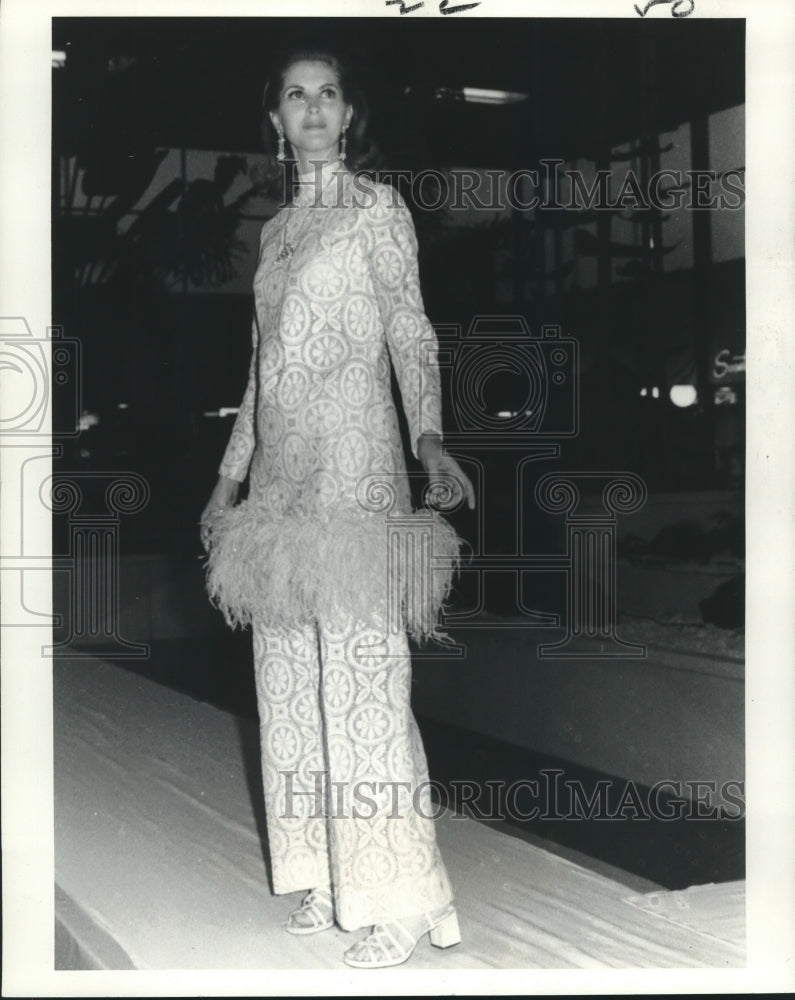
(330, 316)
(347, 796)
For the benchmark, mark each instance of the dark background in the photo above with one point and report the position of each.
(135, 87)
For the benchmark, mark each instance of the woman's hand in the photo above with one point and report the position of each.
(223, 496)
(448, 484)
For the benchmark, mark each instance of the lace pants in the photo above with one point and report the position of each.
(344, 772)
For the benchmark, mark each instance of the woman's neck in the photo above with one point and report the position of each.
(321, 184)
(311, 165)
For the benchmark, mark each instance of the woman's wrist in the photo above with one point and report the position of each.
(226, 489)
(429, 447)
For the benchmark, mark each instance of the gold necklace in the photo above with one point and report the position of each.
(288, 246)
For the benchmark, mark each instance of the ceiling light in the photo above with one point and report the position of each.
(471, 95)
(476, 95)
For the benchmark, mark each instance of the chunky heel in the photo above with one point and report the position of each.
(447, 933)
(393, 943)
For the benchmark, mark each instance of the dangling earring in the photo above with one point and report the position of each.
(343, 144)
(280, 150)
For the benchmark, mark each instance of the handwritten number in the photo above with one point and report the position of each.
(444, 9)
(403, 8)
(676, 10)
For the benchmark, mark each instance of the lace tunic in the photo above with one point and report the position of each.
(317, 429)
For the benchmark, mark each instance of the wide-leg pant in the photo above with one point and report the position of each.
(344, 772)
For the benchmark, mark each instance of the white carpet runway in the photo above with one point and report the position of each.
(160, 861)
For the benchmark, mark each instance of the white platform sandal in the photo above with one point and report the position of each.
(316, 913)
(393, 943)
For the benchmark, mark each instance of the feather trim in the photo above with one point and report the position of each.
(290, 571)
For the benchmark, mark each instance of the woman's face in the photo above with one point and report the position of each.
(311, 110)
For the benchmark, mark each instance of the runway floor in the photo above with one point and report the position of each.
(161, 860)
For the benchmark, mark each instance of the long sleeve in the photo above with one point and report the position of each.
(411, 338)
(240, 448)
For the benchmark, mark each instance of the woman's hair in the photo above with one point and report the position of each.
(360, 152)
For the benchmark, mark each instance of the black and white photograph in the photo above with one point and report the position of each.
(395, 486)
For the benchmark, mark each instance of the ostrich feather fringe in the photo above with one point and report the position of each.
(286, 572)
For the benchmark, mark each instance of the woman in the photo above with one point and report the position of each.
(325, 558)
